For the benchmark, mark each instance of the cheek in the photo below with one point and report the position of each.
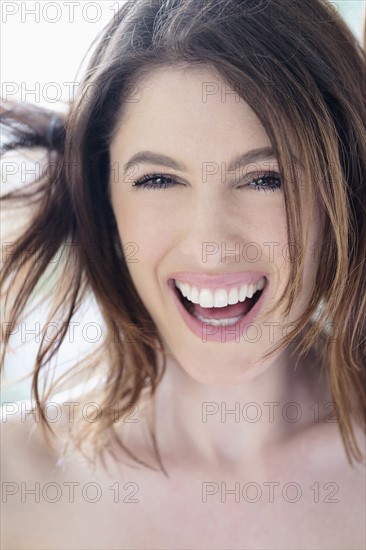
(143, 226)
(312, 254)
(266, 228)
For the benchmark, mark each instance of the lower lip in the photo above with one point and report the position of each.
(208, 332)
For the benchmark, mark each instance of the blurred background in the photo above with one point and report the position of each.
(44, 48)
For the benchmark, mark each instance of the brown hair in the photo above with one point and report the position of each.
(298, 66)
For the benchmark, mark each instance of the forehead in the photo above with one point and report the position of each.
(194, 109)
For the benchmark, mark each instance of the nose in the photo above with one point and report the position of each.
(214, 232)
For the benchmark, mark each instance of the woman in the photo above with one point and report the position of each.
(226, 405)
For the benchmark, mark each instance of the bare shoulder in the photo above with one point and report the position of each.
(33, 480)
(24, 449)
(329, 490)
(323, 450)
(25, 461)
(45, 488)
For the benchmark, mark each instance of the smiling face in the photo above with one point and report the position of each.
(222, 213)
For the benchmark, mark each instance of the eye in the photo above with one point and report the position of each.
(270, 181)
(154, 181)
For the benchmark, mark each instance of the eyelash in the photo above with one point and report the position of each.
(143, 182)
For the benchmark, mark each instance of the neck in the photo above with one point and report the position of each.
(237, 425)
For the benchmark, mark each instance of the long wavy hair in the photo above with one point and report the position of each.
(299, 67)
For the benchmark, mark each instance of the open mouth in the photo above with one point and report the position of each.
(224, 316)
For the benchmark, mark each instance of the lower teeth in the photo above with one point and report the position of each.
(219, 322)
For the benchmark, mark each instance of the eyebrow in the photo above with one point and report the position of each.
(148, 157)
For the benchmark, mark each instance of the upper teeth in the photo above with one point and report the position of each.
(221, 297)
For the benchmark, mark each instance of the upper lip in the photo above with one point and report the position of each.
(213, 282)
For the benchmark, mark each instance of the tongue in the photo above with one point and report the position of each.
(241, 308)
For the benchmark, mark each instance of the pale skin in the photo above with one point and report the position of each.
(200, 448)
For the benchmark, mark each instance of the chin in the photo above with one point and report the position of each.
(220, 369)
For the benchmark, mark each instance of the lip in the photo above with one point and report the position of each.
(214, 282)
(215, 333)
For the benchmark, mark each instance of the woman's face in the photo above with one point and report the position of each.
(216, 218)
